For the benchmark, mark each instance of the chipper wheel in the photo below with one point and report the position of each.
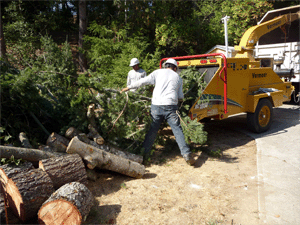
(261, 119)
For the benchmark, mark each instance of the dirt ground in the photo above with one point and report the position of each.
(220, 189)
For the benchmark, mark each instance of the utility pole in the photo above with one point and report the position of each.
(224, 20)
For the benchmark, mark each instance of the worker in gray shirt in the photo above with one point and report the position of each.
(167, 91)
(136, 73)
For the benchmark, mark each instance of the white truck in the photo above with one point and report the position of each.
(280, 49)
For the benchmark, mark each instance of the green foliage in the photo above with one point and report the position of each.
(243, 15)
(11, 160)
(110, 52)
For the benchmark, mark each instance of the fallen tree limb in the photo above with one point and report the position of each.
(28, 154)
(104, 160)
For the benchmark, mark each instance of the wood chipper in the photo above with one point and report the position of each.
(240, 84)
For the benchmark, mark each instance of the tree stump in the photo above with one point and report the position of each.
(105, 160)
(64, 169)
(27, 191)
(57, 142)
(70, 204)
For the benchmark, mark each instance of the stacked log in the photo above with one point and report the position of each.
(104, 160)
(64, 169)
(70, 204)
(27, 191)
(31, 155)
(57, 142)
(72, 132)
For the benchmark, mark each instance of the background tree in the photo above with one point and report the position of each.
(82, 31)
(2, 39)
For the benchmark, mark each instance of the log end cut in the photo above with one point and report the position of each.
(59, 212)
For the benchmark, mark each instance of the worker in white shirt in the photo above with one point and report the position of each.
(136, 73)
(167, 91)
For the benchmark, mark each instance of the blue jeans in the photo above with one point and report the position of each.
(159, 113)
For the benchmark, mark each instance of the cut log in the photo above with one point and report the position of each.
(27, 191)
(105, 160)
(95, 135)
(28, 154)
(111, 149)
(8, 171)
(46, 148)
(64, 169)
(72, 132)
(91, 115)
(24, 140)
(57, 142)
(70, 204)
(2, 209)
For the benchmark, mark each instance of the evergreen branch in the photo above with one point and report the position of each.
(57, 73)
(120, 113)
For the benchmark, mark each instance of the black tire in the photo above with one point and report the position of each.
(260, 121)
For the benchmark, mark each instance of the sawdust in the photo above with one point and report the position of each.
(217, 190)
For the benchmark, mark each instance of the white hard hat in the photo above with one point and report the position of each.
(172, 61)
(134, 62)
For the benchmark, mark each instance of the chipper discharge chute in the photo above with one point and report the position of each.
(234, 87)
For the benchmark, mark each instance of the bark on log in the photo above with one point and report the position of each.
(24, 140)
(95, 135)
(57, 142)
(32, 155)
(2, 209)
(65, 169)
(105, 160)
(91, 115)
(27, 191)
(111, 149)
(8, 171)
(46, 148)
(72, 132)
(70, 204)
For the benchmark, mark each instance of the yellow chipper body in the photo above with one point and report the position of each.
(233, 87)
(240, 84)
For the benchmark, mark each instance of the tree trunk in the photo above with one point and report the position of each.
(82, 31)
(72, 132)
(27, 191)
(70, 204)
(57, 142)
(32, 155)
(105, 160)
(2, 40)
(65, 169)
(24, 140)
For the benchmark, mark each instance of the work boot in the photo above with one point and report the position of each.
(189, 158)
